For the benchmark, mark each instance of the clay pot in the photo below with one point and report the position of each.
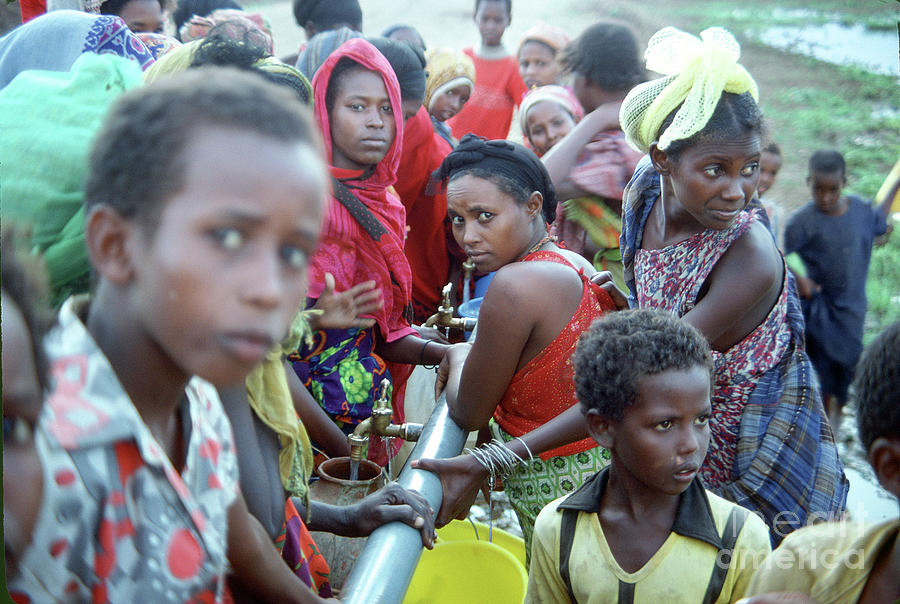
(334, 487)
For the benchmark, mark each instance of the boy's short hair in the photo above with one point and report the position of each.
(508, 4)
(826, 161)
(621, 347)
(24, 279)
(137, 161)
(877, 388)
(607, 54)
(773, 148)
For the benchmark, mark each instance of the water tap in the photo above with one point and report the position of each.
(444, 316)
(380, 424)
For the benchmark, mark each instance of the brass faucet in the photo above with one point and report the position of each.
(380, 424)
(444, 316)
(468, 269)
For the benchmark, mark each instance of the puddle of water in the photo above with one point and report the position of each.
(839, 44)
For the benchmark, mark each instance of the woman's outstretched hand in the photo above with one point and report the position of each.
(390, 504)
(342, 310)
(605, 280)
(461, 479)
(430, 333)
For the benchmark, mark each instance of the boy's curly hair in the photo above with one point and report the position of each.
(877, 388)
(621, 347)
(827, 161)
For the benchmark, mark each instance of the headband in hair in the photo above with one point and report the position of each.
(560, 95)
(502, 157)
(698, 71)
(554, 37)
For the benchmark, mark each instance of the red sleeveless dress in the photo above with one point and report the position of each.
(545, 386)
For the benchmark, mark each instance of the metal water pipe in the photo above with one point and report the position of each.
(385, 567)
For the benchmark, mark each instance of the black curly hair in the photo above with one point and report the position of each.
(877, 387)
(218, 48)
(511, 167)
(151, 126)
(621, 347)
(24, 279)
(607, 54)
(827, 161)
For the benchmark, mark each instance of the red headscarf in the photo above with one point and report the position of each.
(346, 250)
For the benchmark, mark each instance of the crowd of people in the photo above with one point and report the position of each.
(215, 261)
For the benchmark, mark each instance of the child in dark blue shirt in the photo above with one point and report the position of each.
(833, 235)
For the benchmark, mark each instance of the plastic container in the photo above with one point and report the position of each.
(467, 571)
(470, 310)
(481, 284)
(462, 530)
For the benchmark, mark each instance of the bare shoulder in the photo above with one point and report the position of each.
(578, 261)
(752, 258)
(531, 280)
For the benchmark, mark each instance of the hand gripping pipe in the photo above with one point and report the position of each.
(385, 567)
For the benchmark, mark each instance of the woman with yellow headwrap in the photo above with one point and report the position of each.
(694, 244)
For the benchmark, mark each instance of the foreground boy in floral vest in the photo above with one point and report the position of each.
(200, 267)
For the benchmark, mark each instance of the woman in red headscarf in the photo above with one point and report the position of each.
(357, 100)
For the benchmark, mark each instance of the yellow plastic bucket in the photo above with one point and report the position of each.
(462, 530)
(467, 571)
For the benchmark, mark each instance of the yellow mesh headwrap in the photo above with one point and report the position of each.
(698, 71)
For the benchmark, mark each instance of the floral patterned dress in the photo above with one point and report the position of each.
(670, 279)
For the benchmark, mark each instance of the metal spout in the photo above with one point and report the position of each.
(381, 578)
(380, 424)
(444, 316)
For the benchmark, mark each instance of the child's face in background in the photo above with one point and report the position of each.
(826, 190)
(769, 166)
(547, 122)
(714, 180)
(450, 103)
(361, 121)
(22, 402)
(492, 19)
(215, 286)
(537, 64)
(143, 16)
(662, 438)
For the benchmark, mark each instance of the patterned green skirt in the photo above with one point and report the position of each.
(530, 488)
